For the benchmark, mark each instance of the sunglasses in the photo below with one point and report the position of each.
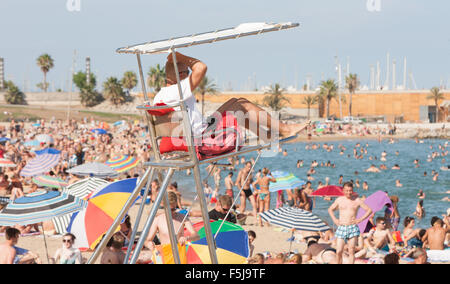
(66, 241)
(185, 71)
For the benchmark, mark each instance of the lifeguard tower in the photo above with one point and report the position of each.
(159, 117)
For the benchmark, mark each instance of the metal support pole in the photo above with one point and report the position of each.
(150, 122)
(139, 216)
(172, 235)
(151, 217)
(204, 209)
(119, 218)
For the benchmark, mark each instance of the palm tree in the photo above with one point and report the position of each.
(206, 86)
(328, 91)
(45, 62)
(352, 84)
(156, 78)
(436, 95)
(13, 94)
(309, 101)
(113, 91)
(275, 98)
(129, 80)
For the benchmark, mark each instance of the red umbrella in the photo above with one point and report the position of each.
(329, 190)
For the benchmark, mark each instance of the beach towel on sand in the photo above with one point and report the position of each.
(439, 255)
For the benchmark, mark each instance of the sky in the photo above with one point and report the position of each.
(350, 29)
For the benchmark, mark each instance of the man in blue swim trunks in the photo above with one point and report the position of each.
(347, 223)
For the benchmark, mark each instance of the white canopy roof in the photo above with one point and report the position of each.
(245, 29)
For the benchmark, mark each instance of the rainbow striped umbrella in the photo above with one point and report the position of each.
(285, 181)
(5, 163)
(122, 163)
(232, 245)
(90, 224)
(49, 181)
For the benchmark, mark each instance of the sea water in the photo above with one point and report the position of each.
(410, 177)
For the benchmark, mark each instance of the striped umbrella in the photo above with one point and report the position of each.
(38, 207)
(49, 181)
(93, 170)
(44, 162)
(5, 163)
(90, 224)
(122, 163)
(284, 181)
(83, 188)
(294, 218)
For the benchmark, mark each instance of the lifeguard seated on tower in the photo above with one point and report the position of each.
(218, 133)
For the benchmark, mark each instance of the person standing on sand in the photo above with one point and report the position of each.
(347, 223)
(264, 195)
(229, 185)
(246, 192)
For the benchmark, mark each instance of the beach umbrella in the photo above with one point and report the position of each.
(31, 143)
(38, 207)
(90, 224)
(294, 218)
(329, 190)
(93, 170)
(81, 189)
(103, 125)
(376, 201)
(285, 181)
(42, 163)
(84, 188)
(44, 138)
(5, 163)
(120, 122)
(49, 181)
(122, 163)
(99, 131)
(4, 140)
(232, 245)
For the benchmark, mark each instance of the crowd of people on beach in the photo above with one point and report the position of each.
(78, 145)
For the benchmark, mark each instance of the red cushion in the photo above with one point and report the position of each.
(160, 112)
(171, 144)
(210, 146)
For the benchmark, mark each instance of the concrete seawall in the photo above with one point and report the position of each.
(53, 98)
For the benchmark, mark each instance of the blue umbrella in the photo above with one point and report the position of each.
(50, 151)
(39, 207)
(45, 160)
(4, 139)
(99, 131)
(285, 181)
(117, 123)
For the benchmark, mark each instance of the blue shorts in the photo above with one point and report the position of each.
(347, 232)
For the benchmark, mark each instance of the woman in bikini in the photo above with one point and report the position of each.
(264, 194)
